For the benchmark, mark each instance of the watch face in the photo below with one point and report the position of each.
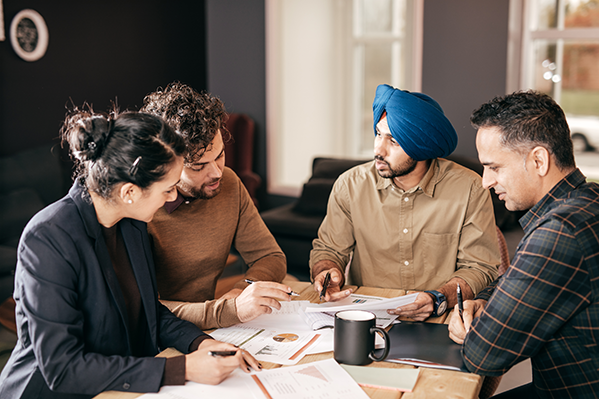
(442, 308)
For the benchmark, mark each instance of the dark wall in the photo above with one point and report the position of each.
(464, 59)
(464, 62)
(99, 50)
(236, 69)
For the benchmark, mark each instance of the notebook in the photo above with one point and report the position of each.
(424, 345)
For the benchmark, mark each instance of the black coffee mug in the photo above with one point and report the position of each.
(354, 337)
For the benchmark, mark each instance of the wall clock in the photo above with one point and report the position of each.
(29, 35)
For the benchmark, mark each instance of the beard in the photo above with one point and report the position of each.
(202, 192)
(404, 169)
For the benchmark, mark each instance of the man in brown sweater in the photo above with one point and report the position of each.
(213, 212)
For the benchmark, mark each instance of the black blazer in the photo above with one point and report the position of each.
(71, 313)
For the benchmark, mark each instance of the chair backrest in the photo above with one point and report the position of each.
(239, 151)
(316, 191)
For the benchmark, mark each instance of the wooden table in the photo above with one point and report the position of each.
(432, 383)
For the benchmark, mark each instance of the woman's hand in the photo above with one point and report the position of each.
(203, 368)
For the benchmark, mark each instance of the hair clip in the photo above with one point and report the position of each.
(91, 145)
(134, 166)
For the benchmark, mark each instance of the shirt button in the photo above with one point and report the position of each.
(406, 263)
(405, 230)
(126, 385)
(406, 199)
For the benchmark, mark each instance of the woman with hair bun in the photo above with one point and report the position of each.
(88, 314)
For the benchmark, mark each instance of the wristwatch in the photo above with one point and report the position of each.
(439, 303)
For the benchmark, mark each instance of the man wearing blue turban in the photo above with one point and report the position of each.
(409, 219)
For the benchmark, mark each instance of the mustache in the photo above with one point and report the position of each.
(380, 158)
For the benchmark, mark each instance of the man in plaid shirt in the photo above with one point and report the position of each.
(546, 306)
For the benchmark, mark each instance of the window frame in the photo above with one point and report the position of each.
(521, 39)
(346, 137)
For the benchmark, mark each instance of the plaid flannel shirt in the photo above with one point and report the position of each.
(546, 306)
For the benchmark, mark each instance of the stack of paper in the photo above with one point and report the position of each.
(281, 337)
(318, 380)
(323, 315)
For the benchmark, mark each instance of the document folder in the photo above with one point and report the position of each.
(424, 345)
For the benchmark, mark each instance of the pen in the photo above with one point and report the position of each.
(460, 302)
(325, 285)
(222, 353)
(292, 293)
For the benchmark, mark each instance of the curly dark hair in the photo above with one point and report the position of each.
(197, 117)
(527, 119)
(112, 148)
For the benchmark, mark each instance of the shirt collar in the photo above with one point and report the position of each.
(171, 206)
(560, 190)
(427, 184)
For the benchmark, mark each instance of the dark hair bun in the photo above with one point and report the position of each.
(87, 134)
(108, 149)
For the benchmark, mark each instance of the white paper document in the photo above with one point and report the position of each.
(276, 345)
(288, 318)
(318, 380)
(326, 317)
(365, 303)
(238, 385)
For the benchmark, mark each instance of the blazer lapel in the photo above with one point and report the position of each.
(92, 226)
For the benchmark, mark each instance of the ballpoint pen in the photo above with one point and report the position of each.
(325, 285)
(460, 302)
(292, 293)
(222, 353)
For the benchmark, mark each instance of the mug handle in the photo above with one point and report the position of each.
(385, 336)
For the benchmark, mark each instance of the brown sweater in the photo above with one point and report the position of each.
(191, 246)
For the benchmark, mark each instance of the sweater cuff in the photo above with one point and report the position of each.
(174, 371)
(195, 344)
(229, 315)
(486, 293)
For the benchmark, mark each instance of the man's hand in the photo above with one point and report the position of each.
(419, 310)
(205, 369)
(458, 328)
(259, 298)
(334, 292)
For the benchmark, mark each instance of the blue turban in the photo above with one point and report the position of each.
(416, 121)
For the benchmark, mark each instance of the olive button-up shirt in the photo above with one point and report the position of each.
(416, 239)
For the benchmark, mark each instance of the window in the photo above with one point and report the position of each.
(559, 45)
(325, 59)
(381, 43)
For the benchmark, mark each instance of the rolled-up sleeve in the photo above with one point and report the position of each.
(478, 250)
